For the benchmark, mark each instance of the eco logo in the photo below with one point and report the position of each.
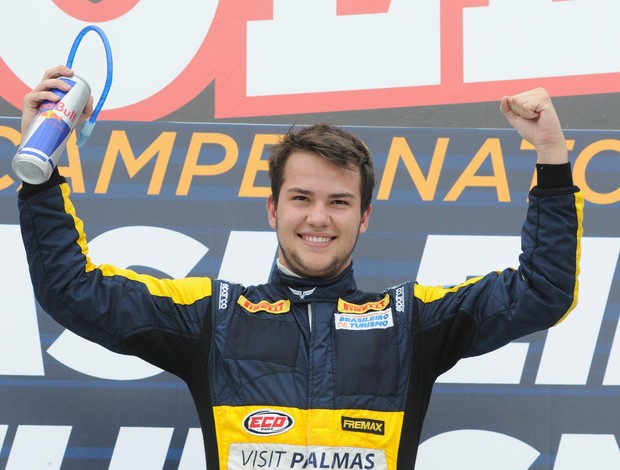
(267, 422)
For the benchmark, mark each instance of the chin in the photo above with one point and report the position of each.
(325, 267)
(326, 271)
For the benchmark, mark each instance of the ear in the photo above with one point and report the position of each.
(271, 211)
(365, 219)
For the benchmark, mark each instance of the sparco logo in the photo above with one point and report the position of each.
(400, 299)
(267, 422)
(223, 296)
(371, 426)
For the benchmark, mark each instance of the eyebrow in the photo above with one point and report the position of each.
(307, 192)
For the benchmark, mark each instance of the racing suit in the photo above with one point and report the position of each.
(305, 373)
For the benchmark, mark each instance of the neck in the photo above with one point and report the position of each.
(286, 270)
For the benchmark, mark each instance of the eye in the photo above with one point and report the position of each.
(341, 202)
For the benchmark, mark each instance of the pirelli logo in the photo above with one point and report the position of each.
(281, 306)
(346, 307)
(370, 426)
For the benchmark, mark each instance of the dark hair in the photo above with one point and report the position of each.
(333, 143)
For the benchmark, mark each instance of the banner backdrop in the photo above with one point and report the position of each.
(271, 57)
(177, 199)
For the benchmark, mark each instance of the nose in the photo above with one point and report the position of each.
(318, 215)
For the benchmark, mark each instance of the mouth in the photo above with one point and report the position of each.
(316, 240)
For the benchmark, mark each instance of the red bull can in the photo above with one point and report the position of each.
(47, 137)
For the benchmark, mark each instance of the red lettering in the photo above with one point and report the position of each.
(255, 421)
(267, 421)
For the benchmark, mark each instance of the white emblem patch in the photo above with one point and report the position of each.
(364, 321)
(267, 422)
(283, 456)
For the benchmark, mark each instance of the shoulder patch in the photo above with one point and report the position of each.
(276, 308)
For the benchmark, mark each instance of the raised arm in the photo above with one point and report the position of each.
(157, 319)
(486, 313)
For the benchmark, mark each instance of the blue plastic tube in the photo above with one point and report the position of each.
(87, 128)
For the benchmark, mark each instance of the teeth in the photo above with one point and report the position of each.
(317, 239)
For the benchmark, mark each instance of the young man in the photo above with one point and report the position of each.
(348, 382)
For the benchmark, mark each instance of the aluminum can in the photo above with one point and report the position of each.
(45, 140)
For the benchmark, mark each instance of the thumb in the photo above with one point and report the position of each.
(88, 110)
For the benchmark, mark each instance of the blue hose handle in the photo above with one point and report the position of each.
(87, 129)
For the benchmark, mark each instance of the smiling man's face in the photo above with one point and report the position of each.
(318, 216)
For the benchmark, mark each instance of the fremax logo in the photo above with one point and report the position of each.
(267, 422)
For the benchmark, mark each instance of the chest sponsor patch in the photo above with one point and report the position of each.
(275, 308)
(267, 422)
(283, 456)
(365, 321)
(370, 426)
(348, 307)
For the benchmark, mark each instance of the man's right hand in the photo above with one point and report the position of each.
(42, 92)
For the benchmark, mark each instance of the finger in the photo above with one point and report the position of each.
(88, 109)
(529, 104)
(58, 71)
(51, 79)
(45, 91)
(523, 107)
(33, 100)
(50, 84)
(510, 110)
(503, 105)
(39, 96)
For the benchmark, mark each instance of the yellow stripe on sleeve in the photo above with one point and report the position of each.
(182, 291)
(429, 294)
(579, 211)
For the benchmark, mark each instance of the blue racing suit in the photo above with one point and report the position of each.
(306, 373)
